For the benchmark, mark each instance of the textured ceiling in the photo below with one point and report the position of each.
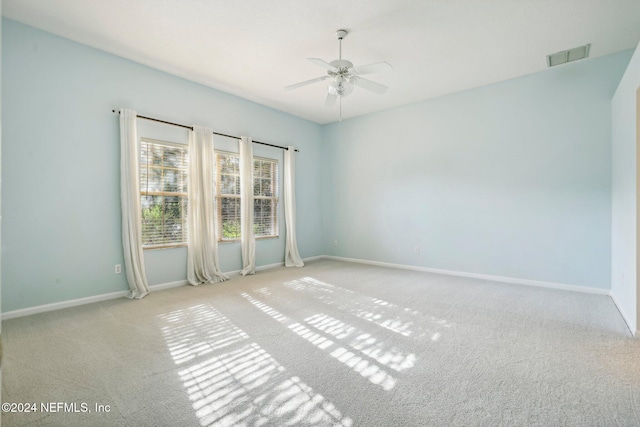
(254, 48)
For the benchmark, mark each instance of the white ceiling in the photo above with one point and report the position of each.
(253, 48)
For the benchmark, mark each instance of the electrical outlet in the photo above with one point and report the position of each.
(118, 269)
(417, 250)
(335, 243)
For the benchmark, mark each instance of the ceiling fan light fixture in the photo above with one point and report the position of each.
(340, 88)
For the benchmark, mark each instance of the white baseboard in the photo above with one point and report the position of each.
(277, 264)
(168, 285)
(625, 316)
(82, 301)
(62, 304)
(259, 268)
(119, 294)
(502, 279)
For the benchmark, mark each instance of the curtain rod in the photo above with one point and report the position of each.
(215, 133)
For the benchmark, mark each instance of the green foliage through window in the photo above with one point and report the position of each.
(265, 193)
(163, 193)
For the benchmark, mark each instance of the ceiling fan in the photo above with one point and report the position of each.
(344, 76)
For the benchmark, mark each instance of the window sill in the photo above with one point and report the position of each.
(152, 248)
(184, 245)
(257, 238)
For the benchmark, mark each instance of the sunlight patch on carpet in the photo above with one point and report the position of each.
(366, 369)
(364, 342)
(400, 320)
(232, 381)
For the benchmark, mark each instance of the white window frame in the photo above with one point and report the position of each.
(183, 195)
(275, 182)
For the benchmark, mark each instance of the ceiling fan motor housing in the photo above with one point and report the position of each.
(341, 63)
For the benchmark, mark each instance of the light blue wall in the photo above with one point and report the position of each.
(511, 179)
(60, 165)
(624, 239)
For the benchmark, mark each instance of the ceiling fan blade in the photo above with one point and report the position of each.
(330, 101)
(369, 85)
(377, 67)
(322, 63)
(307, 82)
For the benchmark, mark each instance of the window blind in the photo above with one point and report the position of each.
(265, 197)
(265, 190)
(163, 193)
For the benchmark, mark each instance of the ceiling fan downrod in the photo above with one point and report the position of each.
(340, 34)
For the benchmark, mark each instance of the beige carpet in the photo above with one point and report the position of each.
(330, 344)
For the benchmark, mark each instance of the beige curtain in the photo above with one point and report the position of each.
(202, 248)
(247, 238)
(291, 255)
(130, 203)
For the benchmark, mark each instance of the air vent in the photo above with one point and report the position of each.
(568, 55)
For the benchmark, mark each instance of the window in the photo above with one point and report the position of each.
(228, 195)
(163, 193)
(265, 195)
